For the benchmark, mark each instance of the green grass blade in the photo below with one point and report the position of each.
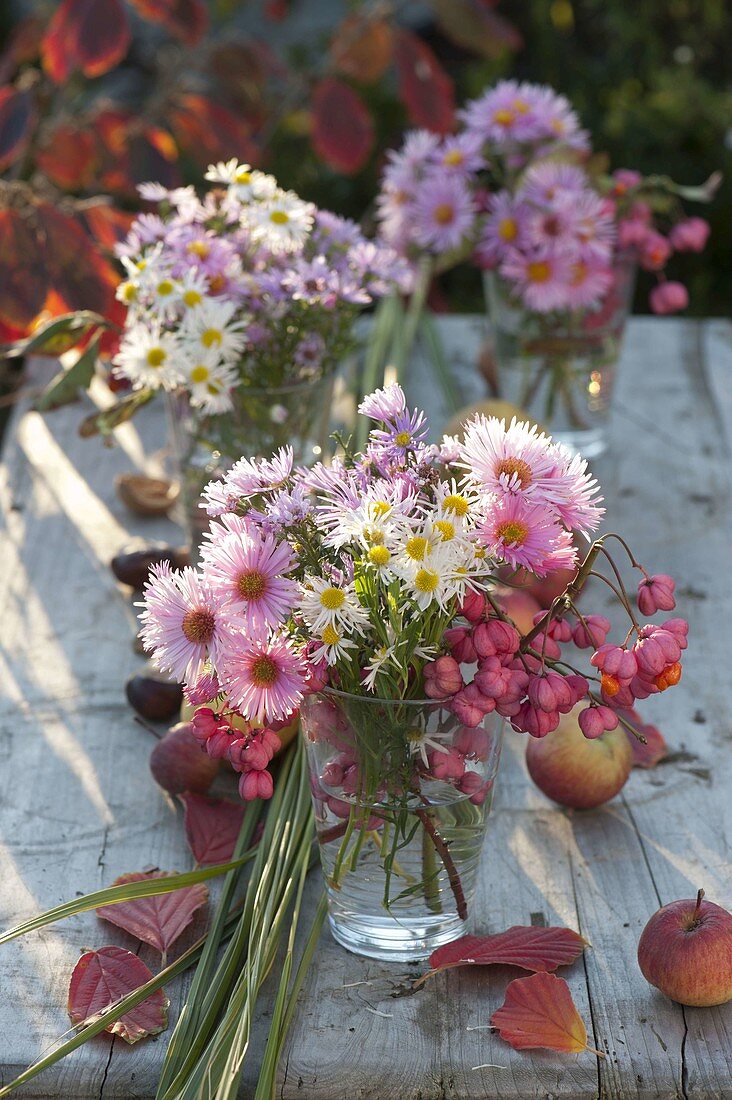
(438, 359)
(388, 318)
(124, 892)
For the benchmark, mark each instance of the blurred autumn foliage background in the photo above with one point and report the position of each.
(99, 95)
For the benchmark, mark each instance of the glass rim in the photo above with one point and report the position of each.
(291, 387)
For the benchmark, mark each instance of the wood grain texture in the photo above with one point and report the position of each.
(67, 822)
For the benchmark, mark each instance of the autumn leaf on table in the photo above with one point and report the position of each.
(157, 920)
(655, 748)
(531, 948)
(101, 978)
(212, 827)
(539, 1012)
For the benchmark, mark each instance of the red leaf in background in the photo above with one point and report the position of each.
(343, 132)
(23, 44)
(539, 1012)
(135, 153)
(69, 157)
(474, 26)
(17, 118)
(91, 35)
(105, 976)
(209, 131)
(362, 48)
(23, 274)
(276, 10)
(424, 86)
(212, 826)
(157, 920)
(106, 224)
(525, 946)
(655, 749)
(185, 19)
(80, 275)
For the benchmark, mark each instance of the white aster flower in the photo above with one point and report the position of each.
(419, 741)
(281, 223)
(324, 603)
(212, 327)
(333, 645)
(149, 357)
(209, 383)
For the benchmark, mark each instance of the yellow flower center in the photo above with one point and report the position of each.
(251, 585)
(330, 635)
(332, 598)
(538, 271)
(373, 535)
(242, 175)
(414, 735)
(378, 555)
(426, 580)
(214, 388)
(263, 671)
(402, 439)
(520, 106)
(199, 248)
(156, 357)
(380, 508)
(141, 265)
(454, 158)
(199, 374)
(444, 213)
(455, 502)
(507, 229)
(416, 547)
(279, 217)
(198, 625)
(512, 531)
(165, 287)
(517, 466)
(503, 117)
(129, 291)
(210, 336)
(192, 298)
(446, 529)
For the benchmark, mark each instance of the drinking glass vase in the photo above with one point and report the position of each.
(402, 794)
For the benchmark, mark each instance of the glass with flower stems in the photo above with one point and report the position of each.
(559, 367)
(402, 792)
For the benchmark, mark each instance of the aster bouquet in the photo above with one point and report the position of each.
(364, 594)
(517, 190)
(241, 304)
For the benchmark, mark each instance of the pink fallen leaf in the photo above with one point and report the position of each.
(212, 826)
(101, 978)
(159, 919)
(531, 948)
(655, 749)
(539, 1012)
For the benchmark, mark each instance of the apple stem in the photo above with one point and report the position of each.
(699, 896)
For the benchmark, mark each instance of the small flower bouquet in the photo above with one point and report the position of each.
(518, 190)
(363, 593)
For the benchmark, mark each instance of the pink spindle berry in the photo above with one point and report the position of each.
(668, 297)
(594, 720)
(656, 593)
(473, 606)
(248, 754)
(442, 678)
(495, 638)
(533, 720)
(654, 251)
(679, 628)
(475, 743)
(255, 785)
(591, 632)
(690, 235)
(205, 722)
(470, 707)
(615, 661)
(558, 629)
(549, 691)
(654, 649)
(446, 765)
(219, 743)
(475, 787)
(460, 641)
(578, 686)
(632, 233)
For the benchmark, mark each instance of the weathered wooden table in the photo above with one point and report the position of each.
(78, 807)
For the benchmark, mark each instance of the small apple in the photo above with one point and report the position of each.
(575, 771)
(178, 762)
(519, 605)
(685, 950)
(494, 406)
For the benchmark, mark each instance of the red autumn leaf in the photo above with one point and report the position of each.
(17, 118)
(655, 749)
(212, 826)
(23, 274)
(80, 275)
(69, 157)
(106, 224)
(343, 132)
(209, 131)
(424, 87)
(103, 977)
(185, 19)
(157, 920)
(362, 48)
(23, 44)
(473, 26)
(525, 946)
(539, 1012)
(91, 35)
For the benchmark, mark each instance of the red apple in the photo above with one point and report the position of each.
(178, 762)
(577, 772)
(546, 589)
(685, 950)
(520, 605)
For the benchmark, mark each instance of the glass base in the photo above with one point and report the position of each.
(393, 940)
(589, 444)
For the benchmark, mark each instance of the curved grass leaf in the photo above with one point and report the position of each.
(65, 387)
(104, 422)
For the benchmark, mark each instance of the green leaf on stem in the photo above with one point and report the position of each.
(65, 387)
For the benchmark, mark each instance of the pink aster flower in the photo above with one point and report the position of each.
(590, 280)
(460, 154)
(182, 622)
(444, 212)
(544, 183)
(540, 277)
(595, 225)
(504, 227)
(384, 405)
(247, 574)
(264, 679)
(527, 535)
(248, 477)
